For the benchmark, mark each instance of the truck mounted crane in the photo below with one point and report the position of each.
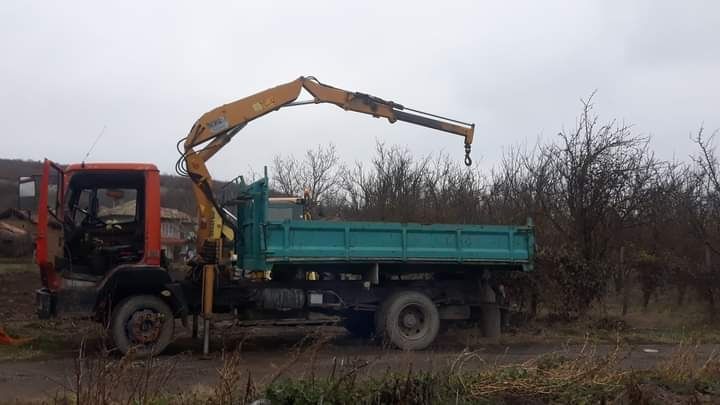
(108, 262)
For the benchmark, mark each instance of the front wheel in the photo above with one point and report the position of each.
(143, 325)
(409, 319)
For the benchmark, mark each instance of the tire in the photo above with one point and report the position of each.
(409, 320)
(360, 324)
(142, 325)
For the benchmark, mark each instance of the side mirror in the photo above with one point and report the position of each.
(27, 193)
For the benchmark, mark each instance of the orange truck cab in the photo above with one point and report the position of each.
(110, 243)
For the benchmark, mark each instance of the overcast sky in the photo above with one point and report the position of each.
(147, 70)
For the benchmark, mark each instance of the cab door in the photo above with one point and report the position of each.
(50, 202)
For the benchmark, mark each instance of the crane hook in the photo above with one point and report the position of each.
(468, 159)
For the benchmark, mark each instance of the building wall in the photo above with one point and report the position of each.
(170, 230)
(172, 235)
(54, 236)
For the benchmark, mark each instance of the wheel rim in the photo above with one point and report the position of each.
(144, 327)
(412, 322)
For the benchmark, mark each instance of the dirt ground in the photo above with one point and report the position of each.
(18, 282)
(45, 366)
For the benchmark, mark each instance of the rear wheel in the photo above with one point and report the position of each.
(143, 325)
(409, 319)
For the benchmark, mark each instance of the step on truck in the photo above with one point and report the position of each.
(100, 255)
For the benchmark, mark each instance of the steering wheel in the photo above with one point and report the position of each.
(90, 218)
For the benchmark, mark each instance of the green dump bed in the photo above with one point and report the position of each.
(289, 241)
(266, 241)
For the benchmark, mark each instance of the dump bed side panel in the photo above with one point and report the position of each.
(263, 242)
(375, 241)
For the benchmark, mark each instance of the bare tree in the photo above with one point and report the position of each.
(600, 176)
(285, 175)
(705, 186)
(317, 175)
(704, 210)
(388, 190)
(583, 190)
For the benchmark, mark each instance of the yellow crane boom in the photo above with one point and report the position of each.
(216, 128)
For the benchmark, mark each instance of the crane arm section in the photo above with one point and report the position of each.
(216, 128)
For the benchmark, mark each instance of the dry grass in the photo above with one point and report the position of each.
(685, 367)
(104, 379)
(551, 377)
(583, 375)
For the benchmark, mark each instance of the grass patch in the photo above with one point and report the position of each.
(410, 388)
(9, 267)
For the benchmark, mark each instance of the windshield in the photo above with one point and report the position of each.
(110, 205)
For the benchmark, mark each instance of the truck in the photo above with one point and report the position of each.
(259, 257)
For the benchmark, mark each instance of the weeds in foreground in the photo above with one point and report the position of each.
(585, 376)
(685, 372)
(103, 379)
(234, 386)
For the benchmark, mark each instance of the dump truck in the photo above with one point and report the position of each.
(260, 258)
